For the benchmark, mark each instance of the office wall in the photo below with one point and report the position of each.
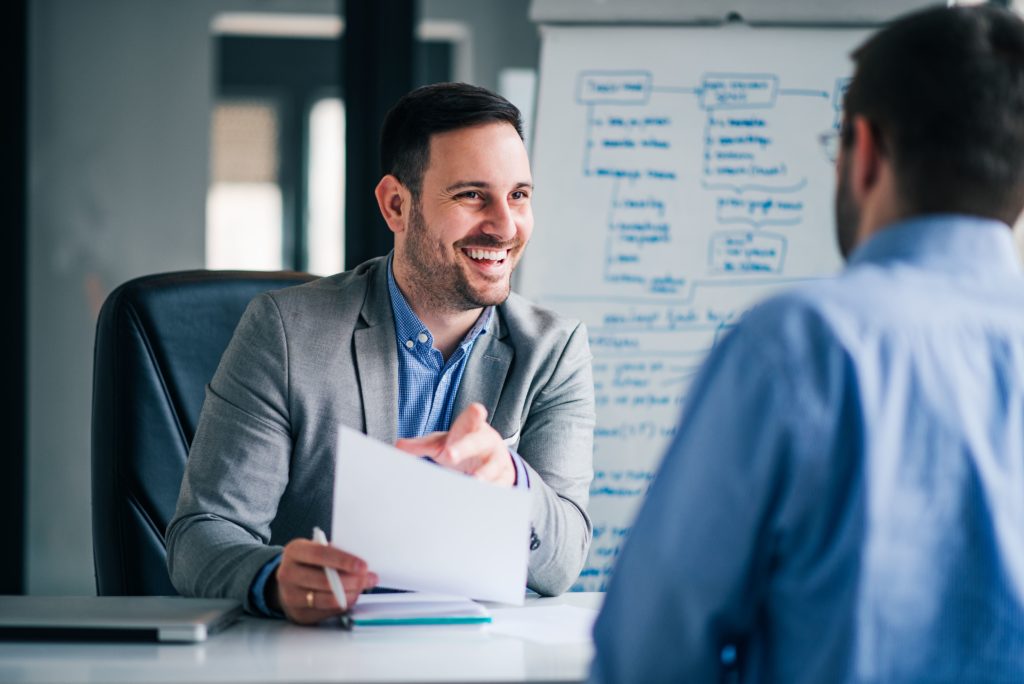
(119, 98)
(502, 34)
(119, 101)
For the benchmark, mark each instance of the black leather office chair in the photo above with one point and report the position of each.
(158, 342)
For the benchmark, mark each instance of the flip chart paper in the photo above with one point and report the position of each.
(423, 527)
(691, 185)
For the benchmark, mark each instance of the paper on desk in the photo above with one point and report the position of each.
(545, 624)
(426, 528)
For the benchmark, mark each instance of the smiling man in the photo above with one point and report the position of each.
(426, 347)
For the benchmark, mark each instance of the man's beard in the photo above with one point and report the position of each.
(847, 213)
(443, 285)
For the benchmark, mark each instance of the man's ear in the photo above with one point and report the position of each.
(866, 158)
(394, 201)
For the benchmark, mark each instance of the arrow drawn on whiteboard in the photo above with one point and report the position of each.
(670, 89)
(758, 188)
(808, 92)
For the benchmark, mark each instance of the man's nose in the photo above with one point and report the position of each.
(501, 221)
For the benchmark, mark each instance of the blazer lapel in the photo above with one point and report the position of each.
(486, 369)
(377, 360)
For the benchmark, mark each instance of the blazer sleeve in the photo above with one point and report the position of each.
(237, 470)
(557, 443)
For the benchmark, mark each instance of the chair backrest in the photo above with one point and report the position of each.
(158, 342)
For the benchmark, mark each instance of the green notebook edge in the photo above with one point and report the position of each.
(379, 622)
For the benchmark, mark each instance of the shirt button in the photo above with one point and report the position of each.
(423, 338)
(409, 344)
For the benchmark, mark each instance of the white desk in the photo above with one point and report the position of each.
(256, 650)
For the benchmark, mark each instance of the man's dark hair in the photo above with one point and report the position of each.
(944, 89)
(437, 108)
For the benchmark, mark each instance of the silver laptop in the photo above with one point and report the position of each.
(114, 618)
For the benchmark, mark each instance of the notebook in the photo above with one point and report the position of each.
(414, 608)
(114, 618)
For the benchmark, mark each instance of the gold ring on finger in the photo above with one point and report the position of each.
(309, 599)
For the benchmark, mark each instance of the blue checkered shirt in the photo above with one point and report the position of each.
(427, 384)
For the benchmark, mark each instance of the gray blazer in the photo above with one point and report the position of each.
(309, 358)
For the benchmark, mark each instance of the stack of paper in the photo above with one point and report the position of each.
(415, 608)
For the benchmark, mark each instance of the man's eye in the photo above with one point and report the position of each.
(520, 195)
(470, 194)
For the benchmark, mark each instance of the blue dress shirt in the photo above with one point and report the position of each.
(427, 386)
(426, 382)
(844, 498)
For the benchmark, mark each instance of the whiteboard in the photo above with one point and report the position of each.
(679, 179)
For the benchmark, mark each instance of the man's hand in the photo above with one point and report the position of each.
(299, 587)
(470, 446)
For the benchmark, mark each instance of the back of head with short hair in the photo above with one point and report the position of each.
(944, 88)
(437, 108)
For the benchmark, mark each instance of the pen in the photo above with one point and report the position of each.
(332, 578)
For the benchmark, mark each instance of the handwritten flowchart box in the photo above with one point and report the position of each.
(738, 91)
(613, 87)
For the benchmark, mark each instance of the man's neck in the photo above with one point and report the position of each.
(882, 206)
(448, 328)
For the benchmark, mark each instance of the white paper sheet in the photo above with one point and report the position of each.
(426, 528)
(545, 624)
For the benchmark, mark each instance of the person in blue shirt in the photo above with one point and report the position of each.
(843, 500)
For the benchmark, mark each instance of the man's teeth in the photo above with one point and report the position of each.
(487, 254)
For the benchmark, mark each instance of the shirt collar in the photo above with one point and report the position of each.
(952, 243)
(408, 325)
